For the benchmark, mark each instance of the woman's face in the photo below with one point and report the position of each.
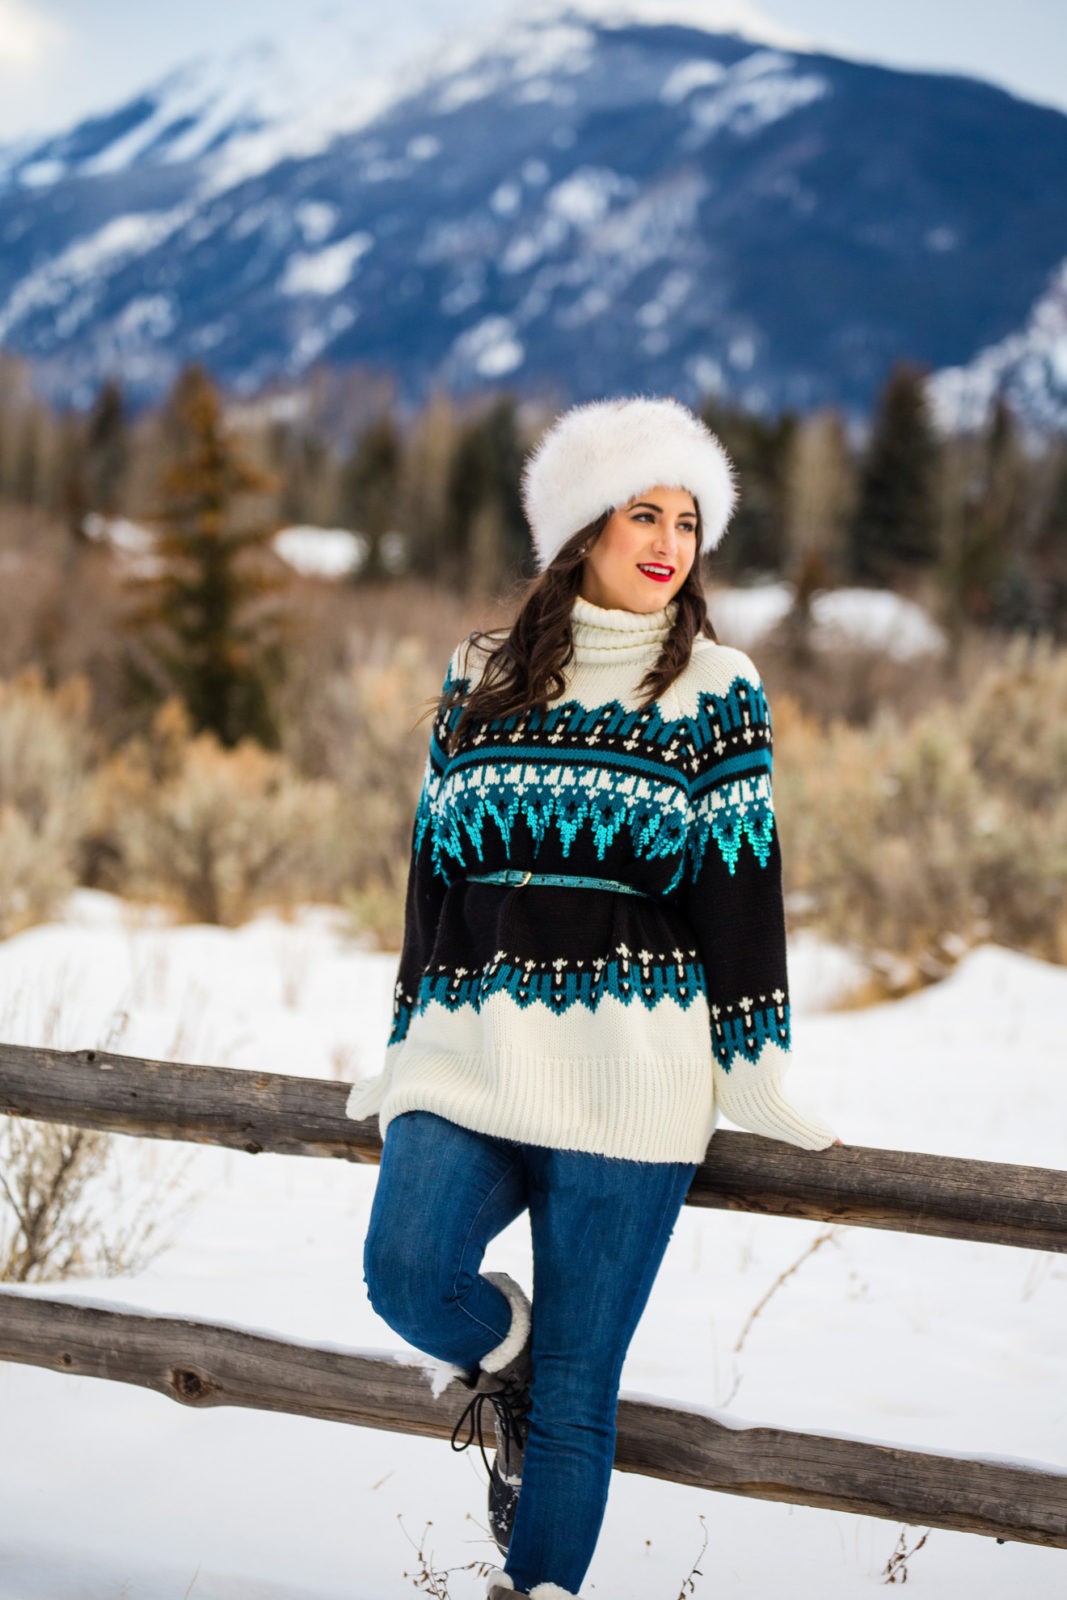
(657, 528)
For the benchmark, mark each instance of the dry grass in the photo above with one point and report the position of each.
(896, 1568)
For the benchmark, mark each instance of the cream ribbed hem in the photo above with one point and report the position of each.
(623, 1106)
(633, 1106)
(762, 1108)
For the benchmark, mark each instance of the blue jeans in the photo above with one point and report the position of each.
(599, 1228)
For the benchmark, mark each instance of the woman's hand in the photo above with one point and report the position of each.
(837, 1141)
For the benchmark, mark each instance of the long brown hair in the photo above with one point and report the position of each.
(525, 669)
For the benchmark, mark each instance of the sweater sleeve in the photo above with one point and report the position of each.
(731, 895)
(427, 884)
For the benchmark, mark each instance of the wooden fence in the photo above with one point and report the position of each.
(200, 1364)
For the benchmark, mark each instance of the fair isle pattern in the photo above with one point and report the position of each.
(711, 780)
(546, 796)
(743, 1029)
(585, 784)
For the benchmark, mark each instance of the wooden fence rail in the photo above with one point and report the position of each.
(955, 1198)
(203, 1365)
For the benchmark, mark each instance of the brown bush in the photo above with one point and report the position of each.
(911, 842)
(45, 753)
(216, 833)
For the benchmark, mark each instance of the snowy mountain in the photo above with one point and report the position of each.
(576, 199)
(1029, 368)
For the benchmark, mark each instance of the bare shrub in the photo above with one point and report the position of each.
(63, 1215)
(1015, 724)
(65, 1210)
(364, 719)
(217, 833)
(45, 753)
(913, 842)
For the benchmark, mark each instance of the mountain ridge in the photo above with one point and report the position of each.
(766, 223)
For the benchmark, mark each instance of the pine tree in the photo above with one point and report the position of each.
(895, 529)
(107, 450)
(73, 473)
(369, 489)
(202, 617)
(983, 563)
(485, 530)
(761, 449)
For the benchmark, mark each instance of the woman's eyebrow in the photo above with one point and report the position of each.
(655, 507)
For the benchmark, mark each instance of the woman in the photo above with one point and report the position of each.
(593, 967)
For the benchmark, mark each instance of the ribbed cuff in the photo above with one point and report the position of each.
(365, 1098)
(763, 1108)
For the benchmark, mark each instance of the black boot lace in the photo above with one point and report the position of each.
(512, 1405)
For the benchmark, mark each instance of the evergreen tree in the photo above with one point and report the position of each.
(369, 489)
(980, 572)
(485, 531)
(302, 460)
(894, 531)
(73, 473)
(761, 449)
(203, 615)
(107, 450)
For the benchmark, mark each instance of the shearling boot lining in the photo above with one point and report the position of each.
(517, 1334)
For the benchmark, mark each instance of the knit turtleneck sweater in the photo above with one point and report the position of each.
(589, 1018)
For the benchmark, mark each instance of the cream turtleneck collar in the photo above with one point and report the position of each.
(607, 634)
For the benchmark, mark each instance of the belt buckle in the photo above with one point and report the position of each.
(525, 879)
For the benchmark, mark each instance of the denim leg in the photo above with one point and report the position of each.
(600, 1228)
(443, 1192)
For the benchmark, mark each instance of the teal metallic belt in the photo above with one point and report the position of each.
(567, 880)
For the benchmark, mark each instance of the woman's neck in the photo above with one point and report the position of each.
(609, 635)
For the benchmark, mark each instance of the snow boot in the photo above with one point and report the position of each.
(503, 1379)
(501, 1587)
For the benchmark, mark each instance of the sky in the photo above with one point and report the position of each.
(63, 59)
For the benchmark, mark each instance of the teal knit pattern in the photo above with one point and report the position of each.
(603, 793)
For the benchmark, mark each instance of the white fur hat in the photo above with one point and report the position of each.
(600, 455)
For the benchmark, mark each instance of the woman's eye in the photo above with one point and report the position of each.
(685, 527)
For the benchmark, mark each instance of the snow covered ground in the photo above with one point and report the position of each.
(851, 617)
(107, 1491)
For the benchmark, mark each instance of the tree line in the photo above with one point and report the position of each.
(974, 524)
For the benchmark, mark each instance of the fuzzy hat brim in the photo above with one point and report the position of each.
(602, 454)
